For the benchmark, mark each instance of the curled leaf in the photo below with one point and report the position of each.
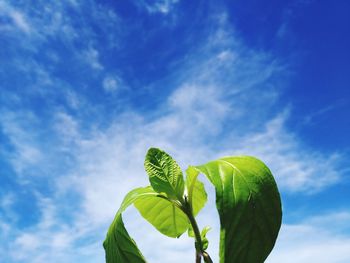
(119, 246)
(249, 207)
(205, 241)
(197, 196)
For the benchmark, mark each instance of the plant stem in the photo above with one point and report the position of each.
(198, 257)
(206, 257)
(195, 228)
(198, 243)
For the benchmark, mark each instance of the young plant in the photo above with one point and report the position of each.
(247, 200)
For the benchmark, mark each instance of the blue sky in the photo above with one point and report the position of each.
(88, 86)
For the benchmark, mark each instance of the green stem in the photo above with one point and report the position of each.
(198, 257)
(197, 234)
(187, 208)
(206, 257)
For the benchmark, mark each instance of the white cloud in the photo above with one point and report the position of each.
(307, 241)
(91, 56)
(65, 22)
(314, 116)
(67, 127)
(53, 235)
(111, 84)
(73, 100)
(26, 151)
(296, 168)
(28, 241)
(18, 18)
(159, 6)
(342, 219)
(20, 21)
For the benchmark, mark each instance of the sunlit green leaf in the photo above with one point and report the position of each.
(197, 195)
(249, 207)
(118, 245)
(163, 214)
(165, 175)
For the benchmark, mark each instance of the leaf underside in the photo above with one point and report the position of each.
(119, 246)
(249, 207)
(163, 215)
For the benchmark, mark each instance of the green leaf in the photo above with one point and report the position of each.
(190, 232)
(118, 245)
(205, 230)
(249, 207)
(164, 173)
(197, 196)
(205, 241)
(163, 214)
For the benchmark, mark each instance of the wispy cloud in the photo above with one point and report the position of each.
(112, 84)
(61, 23)
(314, 240)
(158, 6)
(91, 56)
(311, 118)
(26, 153)
(18, 19)
(296, 168)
